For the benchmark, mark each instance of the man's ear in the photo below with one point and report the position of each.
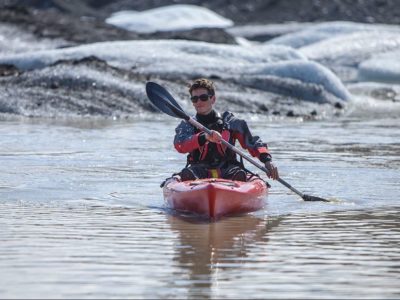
(213, 99)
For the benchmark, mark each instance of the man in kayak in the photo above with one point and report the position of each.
(207, 157)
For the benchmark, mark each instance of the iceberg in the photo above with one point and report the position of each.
(381, 68)
(328, 30)
(303, 79)
(168, 18)
(352, 49)
(349, 49)
(268, 31)
(177, 60)
(161, 55)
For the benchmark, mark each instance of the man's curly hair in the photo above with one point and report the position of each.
(202, 83)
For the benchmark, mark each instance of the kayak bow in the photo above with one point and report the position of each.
(214, 198)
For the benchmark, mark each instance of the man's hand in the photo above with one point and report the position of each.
(214, 137)
(272, 170)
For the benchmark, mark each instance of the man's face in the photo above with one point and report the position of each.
(203, 107)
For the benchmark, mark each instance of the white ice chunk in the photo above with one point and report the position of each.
(382, 68)
(287, 70)
(171, 54)
(169, 18)
(306, 72)
(352, 49)
(328, 30)
(268, 30)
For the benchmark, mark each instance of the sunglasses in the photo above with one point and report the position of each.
(203, 97)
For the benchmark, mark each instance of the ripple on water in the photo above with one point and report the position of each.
(89, 222)
(347, 254)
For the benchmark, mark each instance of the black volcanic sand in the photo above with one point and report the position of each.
(83, 21)
(279, 11)
(241, 12)
(40, 93)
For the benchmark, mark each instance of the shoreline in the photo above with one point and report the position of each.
(38, 92)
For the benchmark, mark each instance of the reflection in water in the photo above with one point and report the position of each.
(205, 248)
(293, 256)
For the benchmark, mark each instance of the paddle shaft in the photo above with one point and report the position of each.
(256, 163)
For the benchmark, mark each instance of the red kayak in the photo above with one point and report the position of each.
(215, 197)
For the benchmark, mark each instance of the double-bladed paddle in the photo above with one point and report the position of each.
(163, 100)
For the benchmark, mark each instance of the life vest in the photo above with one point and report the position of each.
(231, 128)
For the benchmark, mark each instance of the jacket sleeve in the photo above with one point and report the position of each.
(186, 140)
(253, 144)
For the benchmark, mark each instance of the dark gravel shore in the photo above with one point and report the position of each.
(279, 11)
(83, 21)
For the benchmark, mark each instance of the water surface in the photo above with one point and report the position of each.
(82, 215)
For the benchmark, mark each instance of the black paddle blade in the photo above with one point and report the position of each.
(161, 90)
(163, 100)
(313, 198)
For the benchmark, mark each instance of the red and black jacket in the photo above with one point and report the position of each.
(189, 139)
